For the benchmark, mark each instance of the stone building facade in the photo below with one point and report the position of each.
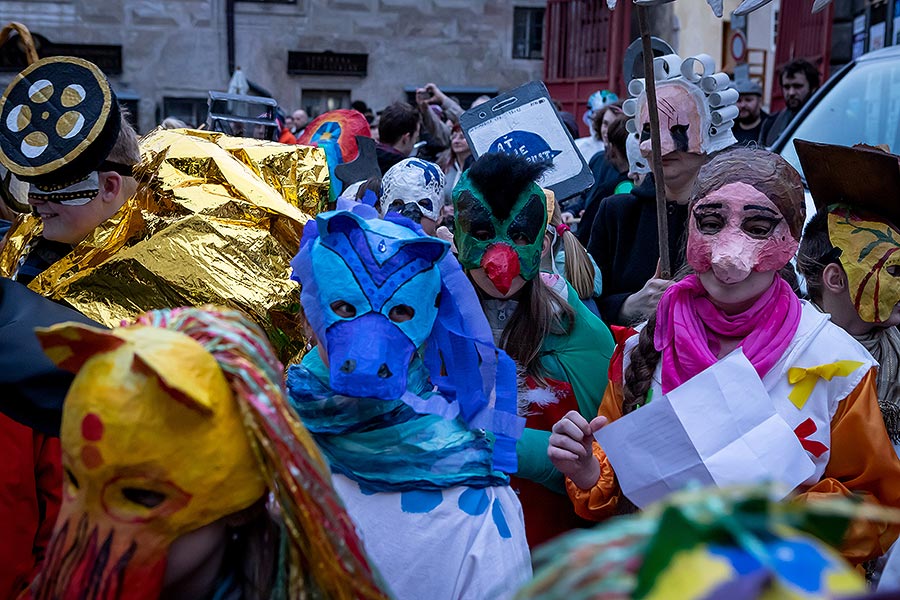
(173, 51)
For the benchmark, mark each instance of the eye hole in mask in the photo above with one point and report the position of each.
(474, 218)
(709, 223)
(526, 227)
(426, 203)
(343, 309)
(680, 137)
(401, 313)
(396, 205)
(142, 497)
(759, 227)
(645, 132)
(893, 270)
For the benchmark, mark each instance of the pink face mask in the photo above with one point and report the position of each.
(680, 123)
(735, 230)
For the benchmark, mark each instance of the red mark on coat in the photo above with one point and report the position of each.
(803, 431)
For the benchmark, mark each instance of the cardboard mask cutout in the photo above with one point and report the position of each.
(696, 106)
(153, 447)
(173, 423)
(735, 230)
(371, 298)
(504, 246)
(871, 258)
(414, 188)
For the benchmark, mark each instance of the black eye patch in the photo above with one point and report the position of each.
(680, 137)
(645, 132)
(529, 221)
(472, 215)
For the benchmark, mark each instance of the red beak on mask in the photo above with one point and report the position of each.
(501, 265)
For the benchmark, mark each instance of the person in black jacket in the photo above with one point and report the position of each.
(398, 131)
(799, 81)
(624, 239)
(625, 244)
(610, 177)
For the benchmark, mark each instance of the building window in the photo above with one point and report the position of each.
(528, 33)
(192, 111)
(316, 102)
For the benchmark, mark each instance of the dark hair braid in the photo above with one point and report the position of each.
(639, 375)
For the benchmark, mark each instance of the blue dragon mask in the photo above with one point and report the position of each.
(379, 304)
(376, 292)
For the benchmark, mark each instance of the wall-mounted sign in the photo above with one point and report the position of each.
(327, 63)
(859, 36)
(876, 36)
(738, 46)
(108, 58)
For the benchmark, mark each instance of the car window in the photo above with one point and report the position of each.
(863, 107)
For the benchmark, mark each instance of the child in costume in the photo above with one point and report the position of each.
(415, 189)
(746, 214)
(175, 434)
(850, 255)
(412, 405)
(562, 349)
(569, 260)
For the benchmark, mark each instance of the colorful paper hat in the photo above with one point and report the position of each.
(862, 176)
(215, 434)
(59, 120)
(732, 543)
(597, 101)
(340, 126)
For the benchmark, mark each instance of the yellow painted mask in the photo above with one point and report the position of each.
(871, 258)
(153, 448)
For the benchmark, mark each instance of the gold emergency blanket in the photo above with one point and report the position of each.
(216, 219)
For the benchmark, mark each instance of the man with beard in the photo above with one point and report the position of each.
(799, 80)
(751, 117)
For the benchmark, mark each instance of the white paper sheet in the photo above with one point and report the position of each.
(719, 428)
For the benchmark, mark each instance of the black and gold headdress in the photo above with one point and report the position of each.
(59, 120)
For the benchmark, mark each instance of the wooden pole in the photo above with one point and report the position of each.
(662, 221)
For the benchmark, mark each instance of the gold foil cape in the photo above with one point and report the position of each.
(215, 219)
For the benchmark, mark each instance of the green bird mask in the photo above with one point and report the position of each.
(501, 217)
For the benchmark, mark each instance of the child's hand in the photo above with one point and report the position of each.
(571, 448)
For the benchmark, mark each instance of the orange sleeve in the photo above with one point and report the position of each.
(863, 462)
(602, 500)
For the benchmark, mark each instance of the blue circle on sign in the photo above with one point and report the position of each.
(525, 144)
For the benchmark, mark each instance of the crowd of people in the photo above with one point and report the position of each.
(330, 366)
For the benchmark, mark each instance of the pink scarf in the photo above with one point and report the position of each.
(687, 323)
